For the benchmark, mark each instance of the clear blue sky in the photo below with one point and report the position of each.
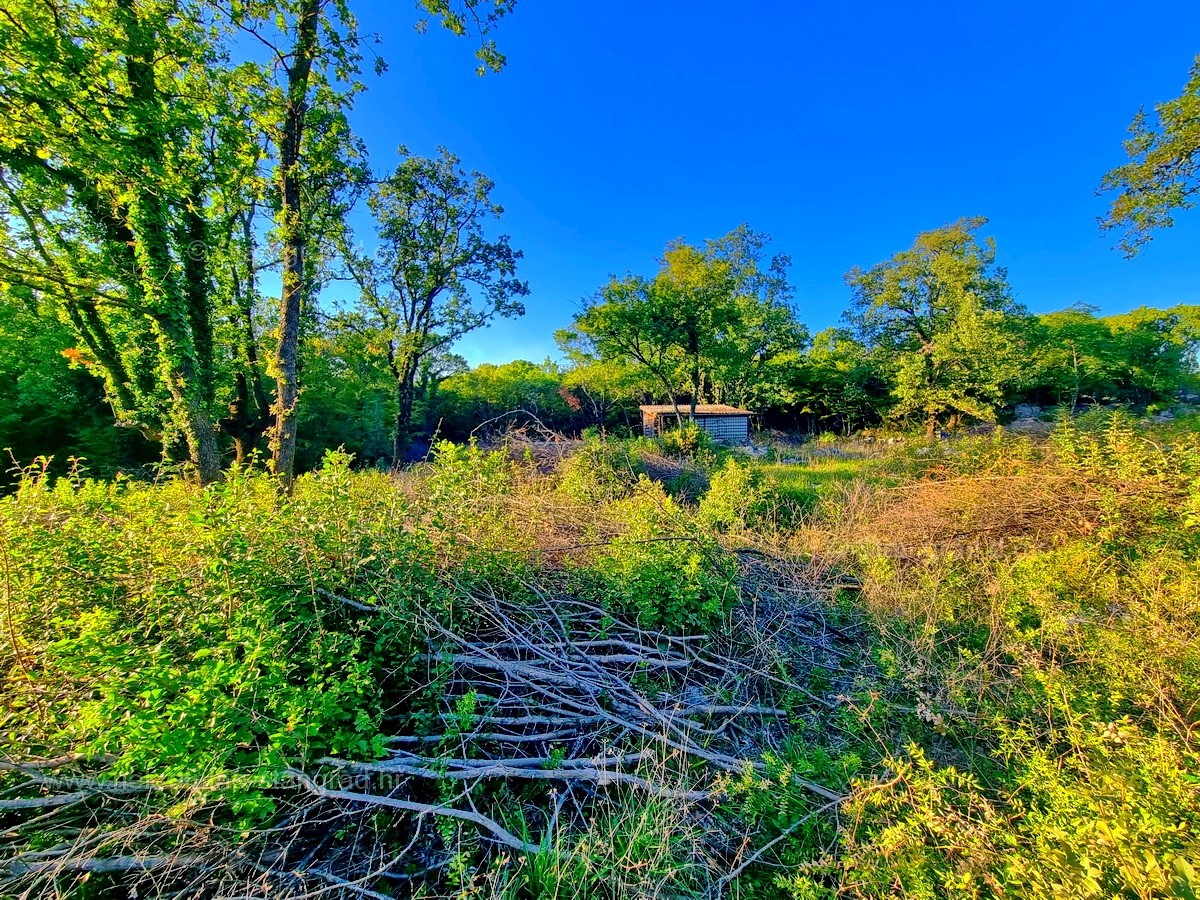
(840, 129)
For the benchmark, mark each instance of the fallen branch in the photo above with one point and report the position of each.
(523, 769)
(46, 802)
(502, 834)
(353, 604)
(102, 865)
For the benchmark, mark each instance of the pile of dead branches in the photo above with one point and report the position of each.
(551, 705)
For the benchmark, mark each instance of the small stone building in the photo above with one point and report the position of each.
(726, 424)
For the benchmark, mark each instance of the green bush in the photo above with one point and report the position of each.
(599, 471)
(195, 636)
(736, 498)
(687, 441)
(660, 569)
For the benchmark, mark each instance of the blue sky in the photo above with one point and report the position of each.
(840, 129)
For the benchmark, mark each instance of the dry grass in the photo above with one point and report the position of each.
(981, 513)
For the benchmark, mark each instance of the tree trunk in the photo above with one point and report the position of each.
(197, 293)
(930, 384)
(293, 240)
(242, 425)
(405, 396)
(149, 220)
(694, 351)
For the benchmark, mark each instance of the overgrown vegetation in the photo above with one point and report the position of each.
(274, 624)
(956, 670)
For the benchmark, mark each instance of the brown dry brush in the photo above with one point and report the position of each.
(983, 512)
(943, 543)
(552, 708)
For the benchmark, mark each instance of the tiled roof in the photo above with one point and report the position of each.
(702, 409)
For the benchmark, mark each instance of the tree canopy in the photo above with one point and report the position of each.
(152, 167)
(942, 317)
(1163, 171)
(161, 164)
(714, 324)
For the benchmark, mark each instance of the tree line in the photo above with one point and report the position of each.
(932, 338)
(176, 180)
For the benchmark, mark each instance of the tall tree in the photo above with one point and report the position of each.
(300, 94)
(291, 235)
(436, 275)
(1157, 350)
(434, 370)
(942, 317)
(316, 56)
(1163, 172)
(763, 340)
(348, 395)
(110, 155)
(627, 325)
(1142, 356)
(711, 324)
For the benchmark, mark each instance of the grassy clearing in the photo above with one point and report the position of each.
(653, 669)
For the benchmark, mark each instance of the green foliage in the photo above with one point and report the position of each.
(687, 441)
(659, 569)
(715, 323)
(462, 17)
(195, 635)
(924, 833)
(1142, 357)
(50, 406)
(941, 316)
(465, 488)
(1161, 175)
(1052, 686)
(1020, 721)
(105, 182)
(736, 498)
(841, 383)
(600, 471)
(519, 393)
(777, 802)
(629, 849)
(607, 390)
(134, 219)
(349, 400)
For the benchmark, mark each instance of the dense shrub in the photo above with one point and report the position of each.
(660, 568)
(1052, 677)
(687, 441)
(736, 498)
(195, 635)
(599, 471)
